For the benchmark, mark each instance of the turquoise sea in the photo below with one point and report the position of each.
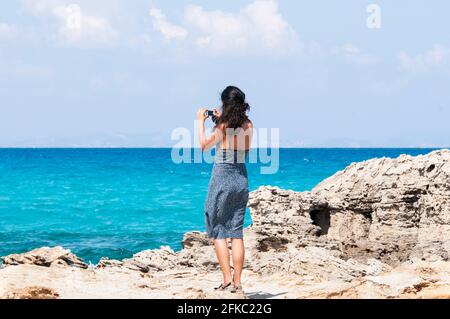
(116, 202)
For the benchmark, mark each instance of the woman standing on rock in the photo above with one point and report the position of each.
(228, 188)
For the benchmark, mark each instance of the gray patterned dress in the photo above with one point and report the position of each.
(227, 195)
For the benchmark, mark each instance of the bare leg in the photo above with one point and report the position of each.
(224, 259)
(238, 252)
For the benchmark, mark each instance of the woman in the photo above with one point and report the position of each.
(228, 188)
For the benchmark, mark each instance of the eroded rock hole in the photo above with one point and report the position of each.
(368, 216)
(431, 168)
(321, 218)
(273, 242)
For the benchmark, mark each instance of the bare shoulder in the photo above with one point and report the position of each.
(247, 125)
(220, 127)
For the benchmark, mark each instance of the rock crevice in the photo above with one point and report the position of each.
(365, 221)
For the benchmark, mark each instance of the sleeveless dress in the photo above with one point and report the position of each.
(227, 197)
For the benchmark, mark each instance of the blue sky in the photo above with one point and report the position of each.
(126, 73)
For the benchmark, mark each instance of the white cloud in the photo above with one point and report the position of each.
(257, 27)
(41, 6)
(7, 30)
(436, 57)
(168, 30)
(353, 54)
(76, 27)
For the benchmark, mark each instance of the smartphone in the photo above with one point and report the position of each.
(211, 115)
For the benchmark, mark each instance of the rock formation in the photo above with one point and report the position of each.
(394, 209)
(379, 228)
(45, 257)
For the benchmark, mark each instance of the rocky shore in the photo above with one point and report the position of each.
(377, 229)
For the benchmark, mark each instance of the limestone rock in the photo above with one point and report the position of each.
(198, 252)
(145, 261)
(105, 262)
(32, 293)
(195, 239)
(377, 229)
(402, 204)
(45, 257)
(157, 259)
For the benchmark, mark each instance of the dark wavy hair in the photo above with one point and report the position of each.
(234, 108)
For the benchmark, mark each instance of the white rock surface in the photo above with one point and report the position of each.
(378, 229)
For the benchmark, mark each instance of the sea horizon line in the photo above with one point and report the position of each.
(198, 148)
